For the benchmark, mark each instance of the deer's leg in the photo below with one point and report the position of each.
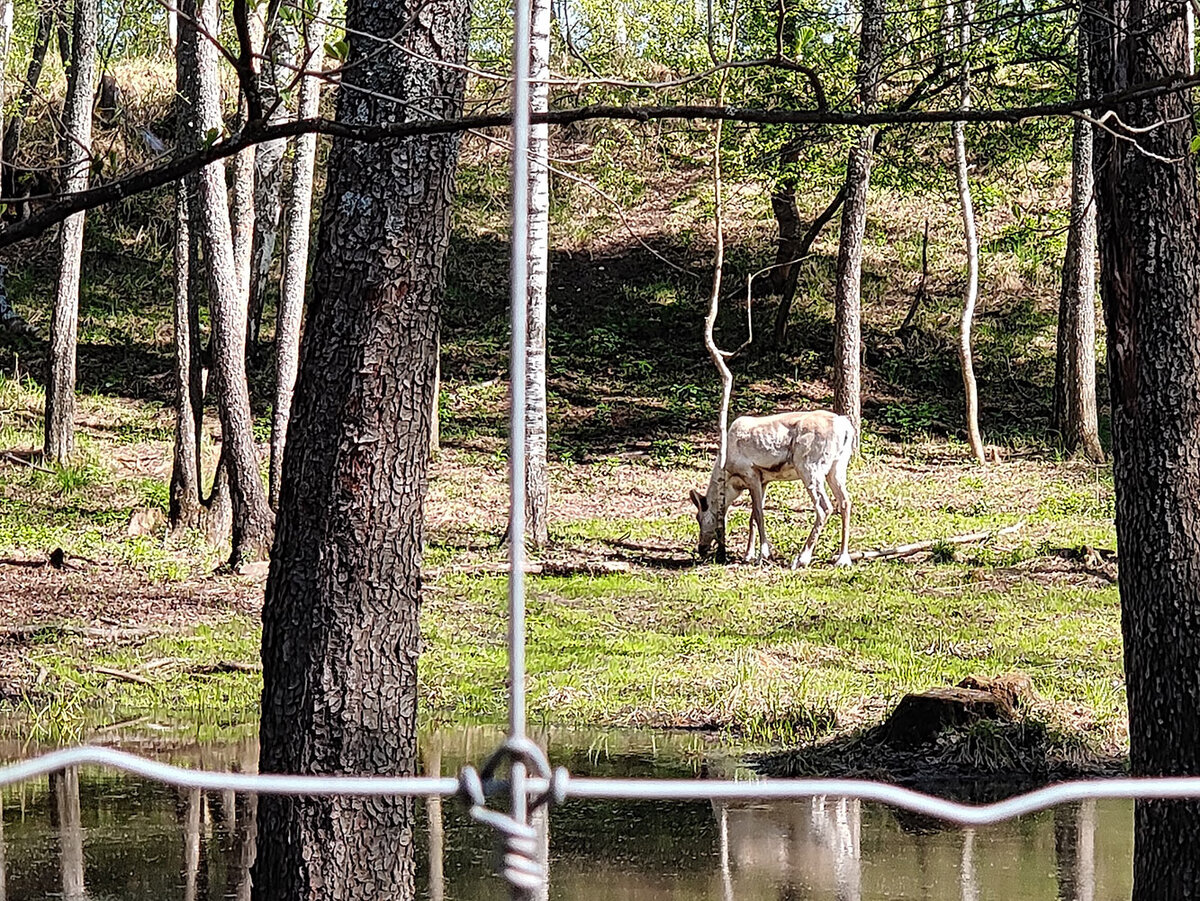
(758, 493)
(837, 484)
(823, 509)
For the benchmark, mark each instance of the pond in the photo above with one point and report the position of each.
(103, 836)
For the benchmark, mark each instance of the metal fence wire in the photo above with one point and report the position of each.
(531, 783)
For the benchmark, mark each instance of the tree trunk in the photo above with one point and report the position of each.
(252, 520)
(784, 310)
(787, 217)
(537, 478)
(340, 635)
(268, 171)
(6, 29)
(1075, 370)
(67, 817)
(1149, 235)
(9, 183)
(960, 42)
(241, 171)
(298, 218)
(64, 321)
(847, 338)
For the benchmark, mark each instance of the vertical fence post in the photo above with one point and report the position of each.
(516, 516)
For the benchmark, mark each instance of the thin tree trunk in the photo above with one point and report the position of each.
(64, 321)
(268, 171)
(1075, 417)
(6, 28)
(959, 38)
(784, 310)
(252, 521)
(185, 504)
(340, 631)
(241, 171)
(847, 339)
(787, 217)
(537, 478)
(33, 74)
(1149, 238)
(298, 218)
(64, 790)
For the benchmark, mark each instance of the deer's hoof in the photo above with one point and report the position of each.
(803, 560)
(843, 560)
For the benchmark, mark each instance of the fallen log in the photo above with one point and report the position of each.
(908, 550)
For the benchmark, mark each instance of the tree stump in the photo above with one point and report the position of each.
(918, 718)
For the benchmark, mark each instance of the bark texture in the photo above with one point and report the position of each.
(537, 477)
(298, 218)
(268, 170)
(960, 36)
(847, 337)
(252, 521)
(1075, 417)
(340, 636)
(1149, 233)
(64, 321)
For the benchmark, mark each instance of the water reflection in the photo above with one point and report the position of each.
(105, 837)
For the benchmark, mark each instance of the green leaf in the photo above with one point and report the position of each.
(339, 49)
(210, 137)
(807, 33)
(1194, 145)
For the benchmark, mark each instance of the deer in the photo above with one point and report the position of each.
(812, 447)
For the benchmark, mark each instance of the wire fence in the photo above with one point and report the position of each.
(530, 783)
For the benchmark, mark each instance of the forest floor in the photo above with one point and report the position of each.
(625, 627)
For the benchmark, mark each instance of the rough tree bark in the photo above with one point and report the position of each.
(340, 635)
(298, 218)
(537, 477)
(1149, 236)
(185, 506)
(958, 38)
(252, 520)
(1075, 368)
(787, 216)
(64, 321)
(847, 336)
(268, 169)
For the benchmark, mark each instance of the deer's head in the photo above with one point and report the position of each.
(707, 521)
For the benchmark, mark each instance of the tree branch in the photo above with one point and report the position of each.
(256, 133)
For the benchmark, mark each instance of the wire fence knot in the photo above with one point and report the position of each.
(522, 865)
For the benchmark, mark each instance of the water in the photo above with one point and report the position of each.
(106, 837)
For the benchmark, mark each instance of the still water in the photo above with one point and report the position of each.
(102, 836)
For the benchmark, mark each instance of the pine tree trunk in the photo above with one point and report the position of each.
(64, 321)
(537, 477)
(340, 632)
(958, 131)
(252, 521)
(268, 171)
(847, 337)
(1075, 417)
(1149, 237)
(298, 218)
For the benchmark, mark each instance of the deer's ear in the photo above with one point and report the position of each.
(697, 499)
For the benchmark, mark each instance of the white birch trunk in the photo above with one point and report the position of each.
(298, 219)
(537, 481)
(64, 322)
(971, 295)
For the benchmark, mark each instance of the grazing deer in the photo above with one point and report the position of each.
(813, 447)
